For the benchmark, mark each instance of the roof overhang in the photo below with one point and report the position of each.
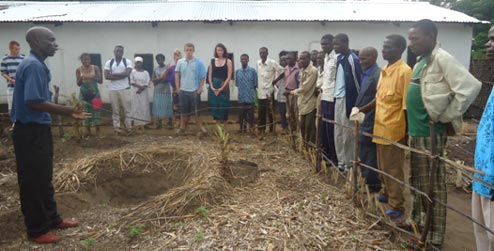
(229, 11)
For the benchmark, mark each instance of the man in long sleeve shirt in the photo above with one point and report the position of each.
(347, 87)
(327, 98)
(246, 82)
(440, 91)
(267, 70)
(306, 98)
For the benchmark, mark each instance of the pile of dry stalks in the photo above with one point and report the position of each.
(203, 183)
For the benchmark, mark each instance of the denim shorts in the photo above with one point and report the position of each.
(188, 102)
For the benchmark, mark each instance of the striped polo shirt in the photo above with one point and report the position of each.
(9, 65)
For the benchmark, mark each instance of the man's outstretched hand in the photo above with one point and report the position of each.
(79, 114)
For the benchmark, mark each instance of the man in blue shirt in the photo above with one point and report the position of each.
(366, 103)
(190, 74)
(246, 81)
(483, 195)
(33, 144)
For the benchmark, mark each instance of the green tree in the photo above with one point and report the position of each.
(480, 9)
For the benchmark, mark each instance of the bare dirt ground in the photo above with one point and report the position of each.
(284, 207)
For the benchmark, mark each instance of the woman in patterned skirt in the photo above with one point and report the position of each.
(162, 100)
(88, 77)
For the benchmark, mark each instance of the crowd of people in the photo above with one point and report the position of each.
(420, 105)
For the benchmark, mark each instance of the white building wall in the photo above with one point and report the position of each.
(239, 38)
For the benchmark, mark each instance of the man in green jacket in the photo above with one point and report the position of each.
(439, 93)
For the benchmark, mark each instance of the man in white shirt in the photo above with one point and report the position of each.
(117, 70)
(327, 98)
(267, 69)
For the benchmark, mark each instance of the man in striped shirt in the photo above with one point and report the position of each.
(9, 67)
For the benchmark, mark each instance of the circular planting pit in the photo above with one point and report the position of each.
(127, 177)
(155, 180)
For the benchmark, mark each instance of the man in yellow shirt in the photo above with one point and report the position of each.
(390, 122)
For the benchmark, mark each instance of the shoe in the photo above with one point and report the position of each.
(342, 169)
(67, 224)
(180, 131)
(382, 199)
(47, 238)
(394, 214)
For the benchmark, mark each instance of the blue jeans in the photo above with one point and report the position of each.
(282, 111)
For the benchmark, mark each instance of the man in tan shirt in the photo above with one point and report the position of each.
(306, 98)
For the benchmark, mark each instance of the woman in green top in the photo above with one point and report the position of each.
(88, 76)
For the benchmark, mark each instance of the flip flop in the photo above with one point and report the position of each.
(382, 199)
(394, 214)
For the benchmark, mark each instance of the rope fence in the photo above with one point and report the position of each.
(354, 180)
(465, 170)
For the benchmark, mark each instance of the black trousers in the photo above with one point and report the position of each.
(33, 147)
(265, 110)
(308, 127)
(327, 131)
(246, 116)
(368, 156)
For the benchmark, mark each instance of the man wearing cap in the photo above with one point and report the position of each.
(117, 70)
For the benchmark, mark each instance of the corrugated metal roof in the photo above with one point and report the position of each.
(227, 10)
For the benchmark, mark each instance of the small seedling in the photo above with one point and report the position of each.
(88, 243)
(178, 225)
(105, 204)
(324, 197)
(329, 237)
(199, 236)
(136, 230)
(404, 245)
(67, 137)
(204, 211)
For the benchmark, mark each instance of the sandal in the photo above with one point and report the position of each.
(394, 214)
(382, 199)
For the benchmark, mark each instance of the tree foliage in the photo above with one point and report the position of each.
(480, 9)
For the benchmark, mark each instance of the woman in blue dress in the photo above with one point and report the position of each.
(162, 99)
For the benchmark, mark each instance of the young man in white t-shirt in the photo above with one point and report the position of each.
(117, 70)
